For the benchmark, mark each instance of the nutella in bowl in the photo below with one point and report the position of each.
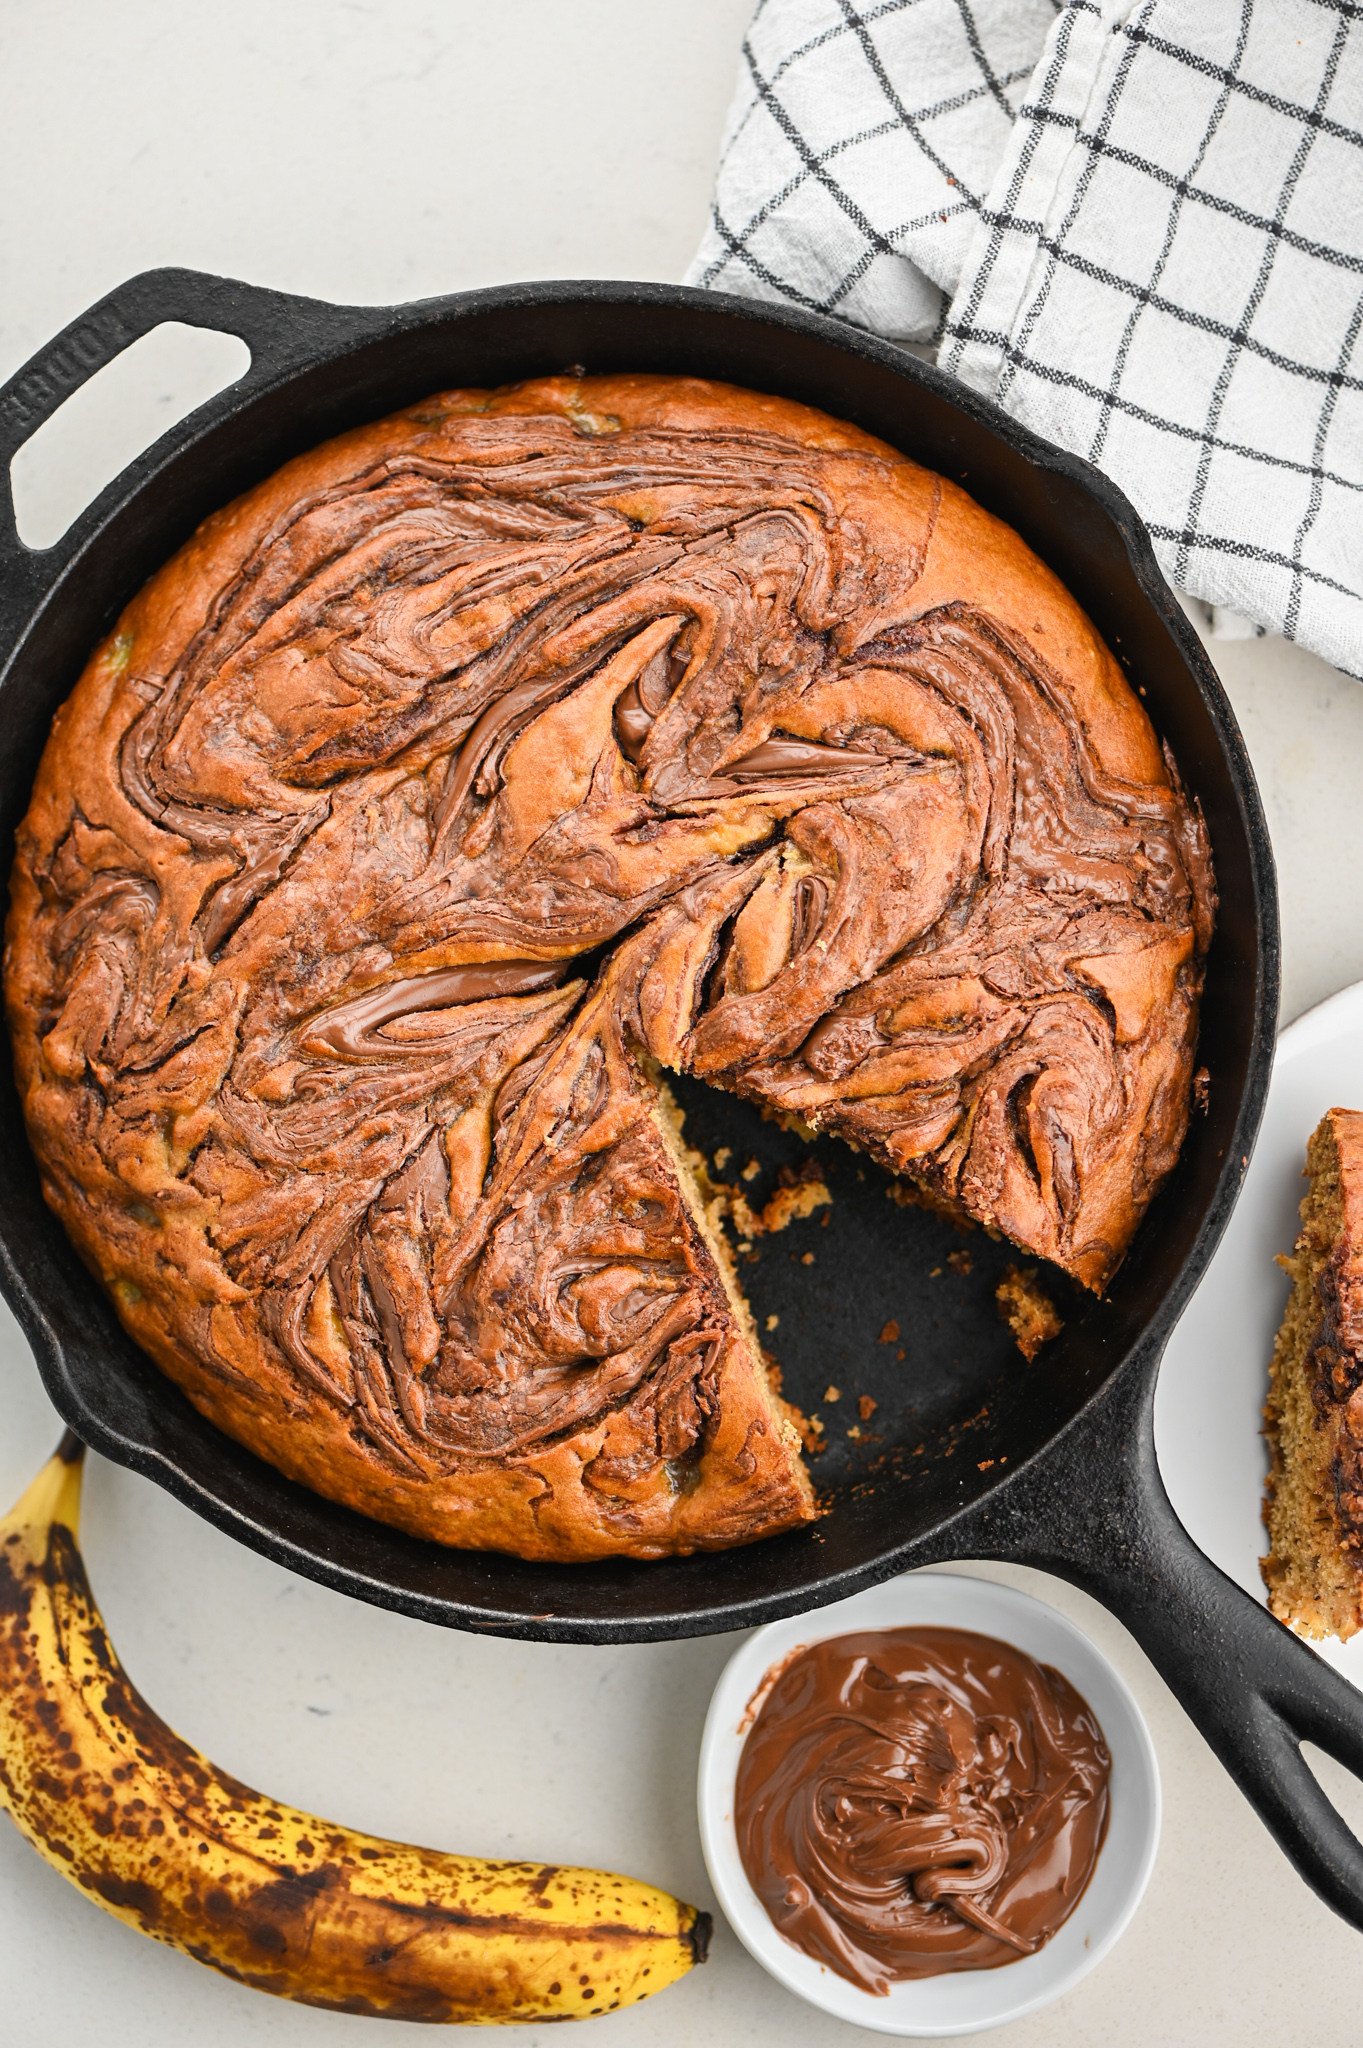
(929, 1809)
(917, 1800)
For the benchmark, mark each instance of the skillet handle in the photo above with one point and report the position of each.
(1093, 1510)
(279, 329)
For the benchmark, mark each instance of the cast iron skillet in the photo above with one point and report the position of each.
(965, 1453)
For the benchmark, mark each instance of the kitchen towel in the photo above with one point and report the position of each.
(1135, 224)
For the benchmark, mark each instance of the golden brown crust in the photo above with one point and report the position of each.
(822, 780)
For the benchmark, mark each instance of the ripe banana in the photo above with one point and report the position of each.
(272, 1897)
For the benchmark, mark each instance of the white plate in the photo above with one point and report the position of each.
(937, 2007)
(1215, 1372)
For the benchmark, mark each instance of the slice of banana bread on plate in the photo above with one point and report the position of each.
(1313, 1417)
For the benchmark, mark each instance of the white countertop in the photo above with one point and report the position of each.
(395, 150)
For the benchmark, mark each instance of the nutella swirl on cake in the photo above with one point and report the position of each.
(475, 768)
(920, 1800)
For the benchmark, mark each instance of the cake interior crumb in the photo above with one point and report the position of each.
(1312, 1575)
(1027, 1309)
(707, 1205)
(799, 1192)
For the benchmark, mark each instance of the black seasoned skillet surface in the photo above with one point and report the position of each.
(882, 1302)
(968, 1451)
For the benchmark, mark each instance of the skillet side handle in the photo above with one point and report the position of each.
(279, 329)
(1094, 1511)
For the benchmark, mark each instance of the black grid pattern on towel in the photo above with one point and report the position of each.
(1175, 353)
(859, 151)
(1149, 247)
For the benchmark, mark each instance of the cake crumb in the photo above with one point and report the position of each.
(833, 1394)
(722, 1158)
(867, 1405)
(985, 1465)
(936, 1273)
(890, 1334)
(810, 1431)
(808, 1428)
(799, 1194)
(751, 1170)
(772, 1321)
(806, 1258)
(1027, 1309)
(855, 1432)
(961, 1262)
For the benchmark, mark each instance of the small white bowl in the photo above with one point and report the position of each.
(971, 2000)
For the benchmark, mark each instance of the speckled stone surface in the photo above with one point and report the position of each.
(389, 151)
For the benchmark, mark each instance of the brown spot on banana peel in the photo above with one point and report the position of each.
(256, 1890)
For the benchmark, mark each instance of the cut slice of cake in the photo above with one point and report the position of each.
(1313, 1418)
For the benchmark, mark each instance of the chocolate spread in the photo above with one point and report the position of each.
(918, 1801)
(475, 766)
(353, 1030)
